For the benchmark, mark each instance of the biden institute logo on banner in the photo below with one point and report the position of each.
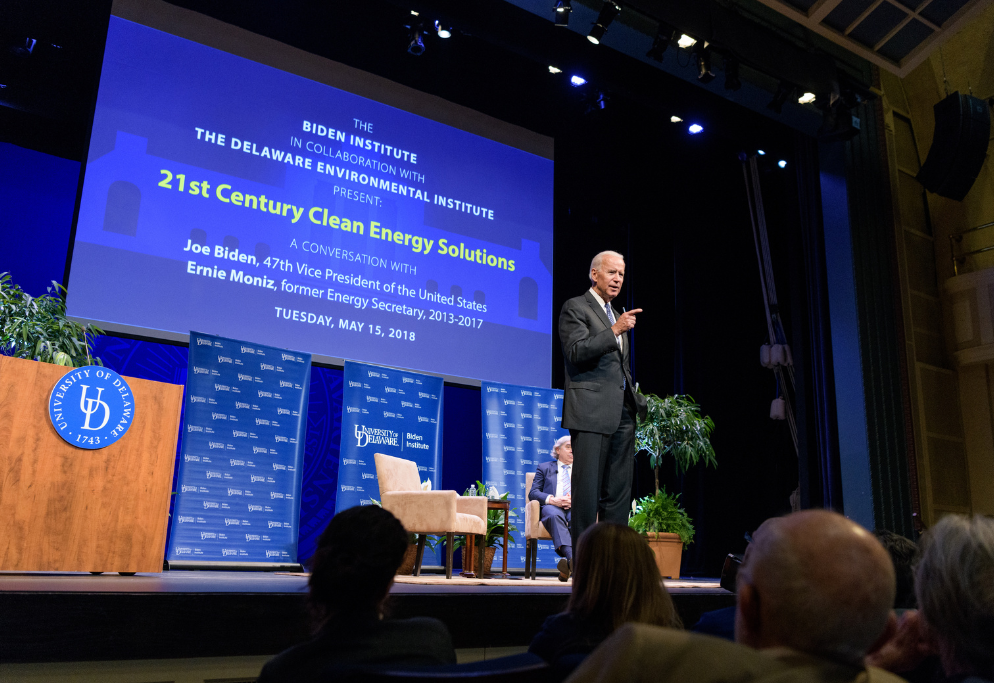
(91, 407)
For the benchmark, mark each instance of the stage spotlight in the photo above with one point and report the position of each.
(664, 36)
(784, 89)
(732, 80)
(675, 119)
(413, 13)
(442, 31)
(686, 41)
(577, 81)
(25, 48)
(554, 70)
(782, 164)
(760, 152)
(563, 10)
(806, 98)
(695, 128)
(702, 54)
(417, 45)
(609, 11)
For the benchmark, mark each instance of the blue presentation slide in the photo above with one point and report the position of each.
(228, 196)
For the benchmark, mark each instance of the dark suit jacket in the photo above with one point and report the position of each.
(544, 484)
(361, 641)
(597, 372)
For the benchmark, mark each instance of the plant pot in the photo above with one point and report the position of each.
(668, 549)
(485, 557)
(407, 564)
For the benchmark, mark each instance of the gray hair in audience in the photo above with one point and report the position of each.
(559, 442)
(955, 585)
(595, 263)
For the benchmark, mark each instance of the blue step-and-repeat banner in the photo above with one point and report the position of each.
(520, 427)
(238, 485)
(393, 412)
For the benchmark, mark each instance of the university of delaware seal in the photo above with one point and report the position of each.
(91, 407)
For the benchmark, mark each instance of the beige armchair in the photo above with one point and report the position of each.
(535, 531)
(429, 512)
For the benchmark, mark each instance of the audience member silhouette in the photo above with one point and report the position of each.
(615, 580)
(904, 554)
(954, 583)
(814, 596)
(357, 557)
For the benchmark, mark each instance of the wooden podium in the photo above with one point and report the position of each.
(64, 508)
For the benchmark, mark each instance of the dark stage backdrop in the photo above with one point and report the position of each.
(675, 206)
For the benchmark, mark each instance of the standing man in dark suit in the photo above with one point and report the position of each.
(552, 488)
(600, 405)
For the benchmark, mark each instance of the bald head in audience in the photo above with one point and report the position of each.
(815, 582)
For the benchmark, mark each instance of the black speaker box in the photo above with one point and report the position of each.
(959, 146)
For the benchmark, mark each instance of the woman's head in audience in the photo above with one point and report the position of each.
(616, 580)
(904, 554)
(955, 585)
(356, 559)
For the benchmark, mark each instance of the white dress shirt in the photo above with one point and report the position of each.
(602, 305)
(559, 480)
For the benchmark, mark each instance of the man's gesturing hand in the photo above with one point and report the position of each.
(625, 322)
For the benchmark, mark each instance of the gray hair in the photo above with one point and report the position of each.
(955, 587)
(559, 442)
(595, 263)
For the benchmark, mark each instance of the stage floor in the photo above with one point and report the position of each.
(66, 617)
(282, 582)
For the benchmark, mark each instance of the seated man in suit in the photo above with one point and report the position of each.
(551, 488)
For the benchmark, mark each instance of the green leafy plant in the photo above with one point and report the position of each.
(36, 327)
(675, 427)
(662, 513)
(495, 523)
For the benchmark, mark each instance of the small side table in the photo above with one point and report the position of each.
(506, 507)
(469, 549)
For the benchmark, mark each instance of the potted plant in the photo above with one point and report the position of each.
(674, 427)
(411, 554)
(667, 528)
(486, 550)
(36, 328)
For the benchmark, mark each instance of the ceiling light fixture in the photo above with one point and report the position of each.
(675, 119)
(577, 81)
(416, 46)
(806, 98)
(664, 36)
(609, 11)
(702, 55)
(784, 89)
(686, 41)
(554, 70)
(442, 31)
(695, 128)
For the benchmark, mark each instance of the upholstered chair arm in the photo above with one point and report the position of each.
(532, 516)
(423, 511)
(472, 505)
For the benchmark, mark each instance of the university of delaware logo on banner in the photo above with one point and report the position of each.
(91, 407)
(365, 436)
